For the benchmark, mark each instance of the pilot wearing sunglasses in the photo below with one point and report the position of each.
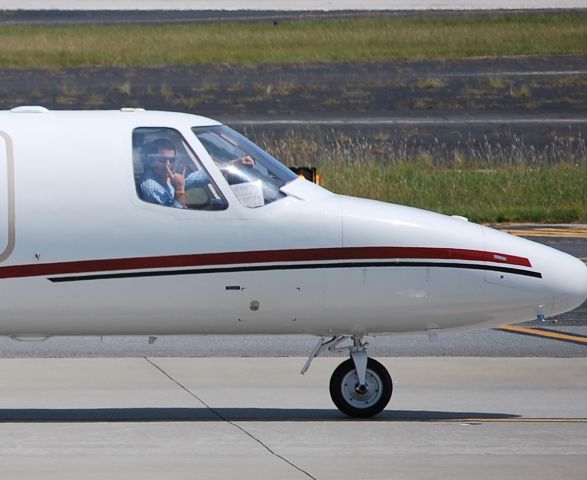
(160, 184)
(163, 185)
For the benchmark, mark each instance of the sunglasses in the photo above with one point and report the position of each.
(162, 158)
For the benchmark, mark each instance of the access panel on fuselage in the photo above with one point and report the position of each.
(6, 197)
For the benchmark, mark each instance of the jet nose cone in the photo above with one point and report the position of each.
(572, 287)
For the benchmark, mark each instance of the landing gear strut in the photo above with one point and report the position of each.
(360, 386)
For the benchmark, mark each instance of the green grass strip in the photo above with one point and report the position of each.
(550, 194)
(296, 41)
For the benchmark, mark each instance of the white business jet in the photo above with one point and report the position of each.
(150, 223)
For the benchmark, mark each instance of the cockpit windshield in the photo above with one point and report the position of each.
(254, 176)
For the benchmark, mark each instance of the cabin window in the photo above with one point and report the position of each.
(168, 173)
(254, 176)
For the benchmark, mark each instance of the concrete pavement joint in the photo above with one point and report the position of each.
(230, 422)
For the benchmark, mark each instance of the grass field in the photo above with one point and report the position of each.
(549, 194)
(493, 186)
(296, 41)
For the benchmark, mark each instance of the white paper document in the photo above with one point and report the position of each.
(249, 193)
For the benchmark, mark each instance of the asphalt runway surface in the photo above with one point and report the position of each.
(286, 5)
(473, 110)
(53, 13)
(563, 336)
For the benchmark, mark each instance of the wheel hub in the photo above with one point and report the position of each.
(361, 389)
(361, 396)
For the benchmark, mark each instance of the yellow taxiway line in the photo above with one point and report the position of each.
(545, 333)
(571, 231)
(466, 421)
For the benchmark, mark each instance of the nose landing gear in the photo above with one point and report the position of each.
(360, 386)
(356, 399)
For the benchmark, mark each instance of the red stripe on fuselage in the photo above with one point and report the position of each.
(260, 256)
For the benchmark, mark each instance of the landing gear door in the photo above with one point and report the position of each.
(6, 197)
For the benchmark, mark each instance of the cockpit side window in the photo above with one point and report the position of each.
(168, 173)
(254, 176)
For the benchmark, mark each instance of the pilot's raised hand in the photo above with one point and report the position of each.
(177, 179)
(246, 161)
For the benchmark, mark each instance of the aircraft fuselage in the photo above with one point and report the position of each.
(83, 254)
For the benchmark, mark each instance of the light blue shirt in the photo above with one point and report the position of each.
(152, 190)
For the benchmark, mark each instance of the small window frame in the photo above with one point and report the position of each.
(214, 199)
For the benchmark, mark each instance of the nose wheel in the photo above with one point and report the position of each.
(358, 399)
(360, 386)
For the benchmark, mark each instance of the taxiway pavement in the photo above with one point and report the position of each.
(259, 418)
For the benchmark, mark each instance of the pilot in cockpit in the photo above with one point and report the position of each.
(160, 183)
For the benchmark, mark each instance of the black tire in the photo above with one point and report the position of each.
(343, 392)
